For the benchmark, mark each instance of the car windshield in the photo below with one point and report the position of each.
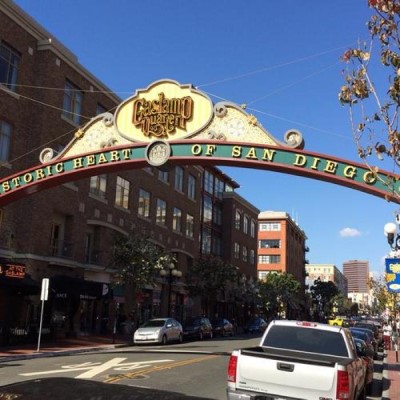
(154, 323)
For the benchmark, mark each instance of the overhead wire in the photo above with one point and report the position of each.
(240, 76)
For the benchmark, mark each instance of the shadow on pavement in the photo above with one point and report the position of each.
(76, 389)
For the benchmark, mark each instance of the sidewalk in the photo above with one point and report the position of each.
(62, 346)
(391, 376)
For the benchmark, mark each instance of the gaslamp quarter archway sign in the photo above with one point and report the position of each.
(177, 124)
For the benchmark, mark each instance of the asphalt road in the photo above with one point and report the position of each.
(168, 372)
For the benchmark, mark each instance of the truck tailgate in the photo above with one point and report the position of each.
(292, 378)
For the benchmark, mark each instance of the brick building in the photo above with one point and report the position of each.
(66, 233)
(281, 245)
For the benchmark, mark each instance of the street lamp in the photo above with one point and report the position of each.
(390, 230)
(170, 272)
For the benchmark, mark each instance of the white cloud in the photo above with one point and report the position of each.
(349, 232)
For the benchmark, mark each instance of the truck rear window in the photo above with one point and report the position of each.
(306, 339)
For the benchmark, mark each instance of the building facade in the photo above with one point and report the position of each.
(65, 234)
(281, 245)
(326, 273)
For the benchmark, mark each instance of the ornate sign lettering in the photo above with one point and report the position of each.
(160, 118)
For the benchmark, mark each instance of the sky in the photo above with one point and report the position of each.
(281, 58)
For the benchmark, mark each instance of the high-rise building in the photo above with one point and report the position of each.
(357, 275)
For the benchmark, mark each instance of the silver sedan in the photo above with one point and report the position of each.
(159, 330)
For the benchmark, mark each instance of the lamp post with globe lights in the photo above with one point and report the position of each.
(170, 272)
(393, 262)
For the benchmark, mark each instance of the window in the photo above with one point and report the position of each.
(206, 241)
(252, 256)
(161, 212)
(269, 244)
(217, 246)
(100, 109)
(217, 214)
(144, 203)
(244, 254)
(5, 139)
(9, 64)
(163, 176)
(189, 225)
(98, 185)
(270, 226)
(219, 188)
(179, 179)
(269, 259)
(72, 106)
(177, 220)
(246, 224)
(207, 209)
(122, 193)
(252, 228)
(208, 182)
(236, 250)
(191, 187)
(238, 217)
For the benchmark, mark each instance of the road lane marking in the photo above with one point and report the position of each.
(157, 368)
(94, 368)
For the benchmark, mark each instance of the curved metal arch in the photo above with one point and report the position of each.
(202, 152)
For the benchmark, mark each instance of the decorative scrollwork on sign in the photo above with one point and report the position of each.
(220, 110)
(108, 119)
(46, 155)
(293, 138)
(214, 135)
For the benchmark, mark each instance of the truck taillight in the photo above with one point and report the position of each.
(232, 369)
(343, 385)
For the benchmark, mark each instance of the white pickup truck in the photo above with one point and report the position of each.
(298, 360)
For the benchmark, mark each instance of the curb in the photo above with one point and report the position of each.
(40, 354)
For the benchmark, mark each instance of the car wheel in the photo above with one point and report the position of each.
(164, 340)
(180, 338)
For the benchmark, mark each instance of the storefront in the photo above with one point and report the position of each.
(18, 292)
(79, 306)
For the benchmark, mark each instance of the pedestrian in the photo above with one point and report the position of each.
(387, 335)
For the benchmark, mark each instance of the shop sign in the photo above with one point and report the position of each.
(12, 270)
(393, 274)
(164, 110)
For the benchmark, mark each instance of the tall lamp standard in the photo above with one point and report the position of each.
(170, 272)
(393, 238)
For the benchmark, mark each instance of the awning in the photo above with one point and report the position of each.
(64, 286)
(25, 286)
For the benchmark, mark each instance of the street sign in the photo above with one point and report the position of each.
(45, 289)
(393, 274)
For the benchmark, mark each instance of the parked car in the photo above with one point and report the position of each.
(366, 337)
(371, 336)
(365, 353)
(374, 327)
(222, 327)
(198, 327)
(159, 330)
(256, 325)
